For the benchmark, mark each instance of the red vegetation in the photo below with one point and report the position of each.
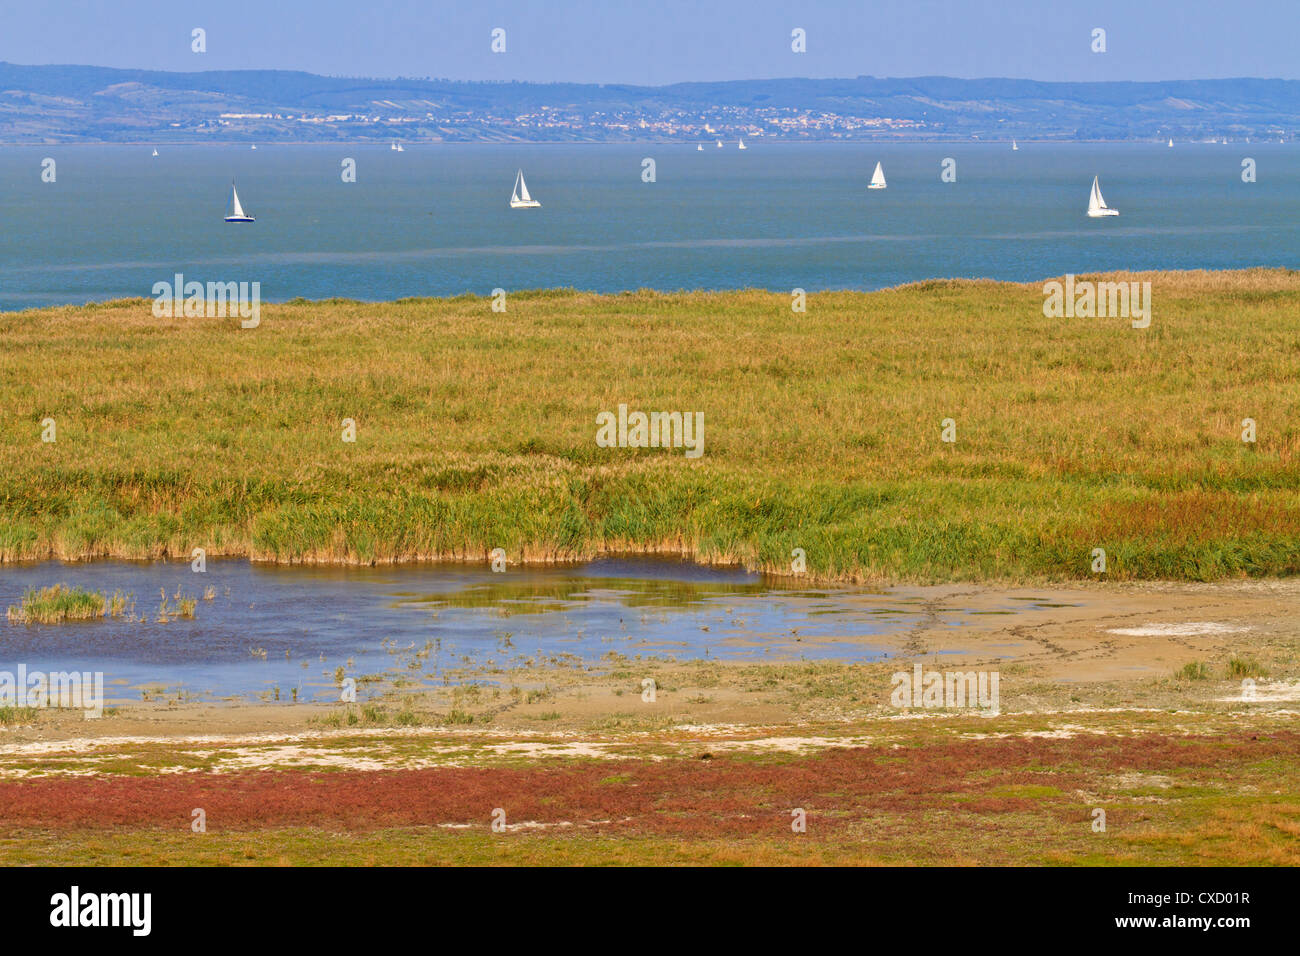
(725, 796)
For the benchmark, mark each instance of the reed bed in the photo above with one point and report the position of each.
(476, 430)
(60, 602)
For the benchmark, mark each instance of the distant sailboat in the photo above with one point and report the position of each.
(520, 199)
(699, 147)
(719, 144)
(1171, 144)
(392, 147)
(1014, 147)
(877, 178)
(400, 149)
(742, 145)
(254, 146)
(237, 213)
(155, 152)
(1096, 205)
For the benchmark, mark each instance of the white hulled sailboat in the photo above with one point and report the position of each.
(877, 178)
(520, 199)
(1096, 205)
(237, 213)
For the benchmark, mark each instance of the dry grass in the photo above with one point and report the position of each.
(476, 430)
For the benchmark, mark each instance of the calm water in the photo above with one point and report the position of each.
(434, 220)
(311, 620)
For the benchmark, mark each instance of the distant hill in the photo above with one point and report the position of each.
(44, 104)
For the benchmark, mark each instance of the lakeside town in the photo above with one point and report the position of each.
(83, 104)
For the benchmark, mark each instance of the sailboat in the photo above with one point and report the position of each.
(742, 145)
(400, 149)
(254, 146)
(155, 152)
(877, 178)
(1014, 147)
(392, 147)
(699, 147)
(1171, 144)
(520, 199)
(1096, 205)
(719, 144)
(237, 213)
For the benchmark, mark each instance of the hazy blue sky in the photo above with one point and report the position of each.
(665, 41)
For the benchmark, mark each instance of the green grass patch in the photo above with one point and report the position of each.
(61, 602)
(476, 430)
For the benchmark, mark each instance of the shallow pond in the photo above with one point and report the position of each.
(288, 628)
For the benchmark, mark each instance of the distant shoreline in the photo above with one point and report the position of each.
(750, 143)
(1264, 272)
(104, 105)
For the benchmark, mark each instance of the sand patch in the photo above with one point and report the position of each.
(1190, 629)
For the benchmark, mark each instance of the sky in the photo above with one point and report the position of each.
(655, 42)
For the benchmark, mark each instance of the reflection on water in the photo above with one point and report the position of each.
(265, 628)
(632, 583)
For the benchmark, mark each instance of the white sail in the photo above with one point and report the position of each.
(699, 148)
(877, 178)
(719, 144)
(155, 152)
(1096, 204)
(742, 144)
(1171, 142)
(237, 213)
(520, 199)
(1014, 147)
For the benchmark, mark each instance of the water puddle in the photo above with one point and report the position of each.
(263, 630)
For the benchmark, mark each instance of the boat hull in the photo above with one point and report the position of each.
(1100, 213)
(876, 186)
(520, 204)
(240, 219)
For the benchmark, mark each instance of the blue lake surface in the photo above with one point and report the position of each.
(420, 622)
(434, 219)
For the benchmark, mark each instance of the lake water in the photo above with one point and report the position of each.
(430, 624)
(417, 621)
(434, 220)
